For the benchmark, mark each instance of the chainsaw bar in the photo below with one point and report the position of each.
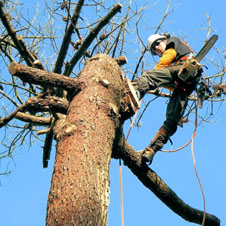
(205, 49)
(202, 53)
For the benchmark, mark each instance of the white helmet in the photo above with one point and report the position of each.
(152, 39)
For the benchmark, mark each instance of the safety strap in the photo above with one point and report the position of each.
(184, 58)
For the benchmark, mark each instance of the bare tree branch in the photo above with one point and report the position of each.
(33, 119)
(41, 77)
(38, 104)
(18, 41)
(89, 39)
(67, 38)
(4, 121)
(47, 146)
(47, 104)
(153, 182)
(164, 17)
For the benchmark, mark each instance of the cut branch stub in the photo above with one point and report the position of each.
(48, 103)
(44, 78)
(121, 60)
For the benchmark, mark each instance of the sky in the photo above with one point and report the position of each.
(23, 193)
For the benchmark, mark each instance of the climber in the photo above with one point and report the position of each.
(173, 52)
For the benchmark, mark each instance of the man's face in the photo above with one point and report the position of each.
(160, 47)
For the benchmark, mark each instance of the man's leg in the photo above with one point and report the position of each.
(156, 144)
(175, 111)
(151, 80)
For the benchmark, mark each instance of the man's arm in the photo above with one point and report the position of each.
(167, 58)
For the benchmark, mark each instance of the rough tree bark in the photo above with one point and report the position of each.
(91, 134)
(41, 77)
(79, 193)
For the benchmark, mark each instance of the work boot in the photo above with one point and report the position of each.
(136, 86)
(156, 144)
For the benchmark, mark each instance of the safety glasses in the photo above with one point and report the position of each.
(153, 48)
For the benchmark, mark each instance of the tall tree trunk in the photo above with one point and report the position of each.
(79, 193)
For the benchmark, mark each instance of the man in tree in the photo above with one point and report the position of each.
(173, 52)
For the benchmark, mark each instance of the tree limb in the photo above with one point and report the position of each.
(67, 38)
(48, 104)
(33, 119)
(89, 39)
(4, 121)
(121, 60)
(17, 40)
(47, 147)
(153, 182)
(37, 104)
(41, 77)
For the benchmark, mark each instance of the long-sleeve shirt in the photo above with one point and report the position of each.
(175, 50)
(167, 58)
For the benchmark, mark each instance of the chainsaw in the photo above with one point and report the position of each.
(192, 65)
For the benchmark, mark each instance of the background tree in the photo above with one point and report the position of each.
(40, 99)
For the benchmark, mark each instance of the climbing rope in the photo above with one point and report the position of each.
(191, 141)
(194, 163)
(120, 169)
(121, 192)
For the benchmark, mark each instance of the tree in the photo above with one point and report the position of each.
(84, 114)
